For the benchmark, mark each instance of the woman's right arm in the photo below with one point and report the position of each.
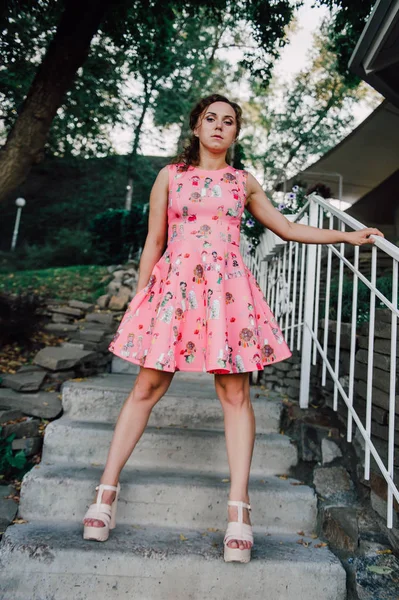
(157, 228)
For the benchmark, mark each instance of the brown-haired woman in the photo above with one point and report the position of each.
(199, 308)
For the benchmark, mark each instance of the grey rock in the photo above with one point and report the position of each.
(381, 361)
(60, 358)
(58, 318)
(67, 310)
(380, 345)
(335, 484)
(114, 286)
(30, 446)
(86, 306)
(377, 586)
(30, 381)
(28, 428)
(381, 329)
(129, 282)
(41, 404)
(340, 527)
(103, 301)
(329, 451)
(103, 318)
(119, 302)
(72, 344)
(118, 275)
(10, 415)
(60, 328)
(310, 449)
(8, 506)
(89, 335)
(61, 376)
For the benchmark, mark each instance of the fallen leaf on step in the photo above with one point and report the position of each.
(213, 529)
(20, 521)
(386, 551)
(302, 541)
(215, 544)
(225, 480)
(321, 545)
(300, 533)
(297, 483)
(380, 570)
(283, 476)
(313, 535)
(182, 538)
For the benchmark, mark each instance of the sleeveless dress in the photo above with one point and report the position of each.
(202, 309)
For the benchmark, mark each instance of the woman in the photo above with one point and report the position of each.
(199, 308)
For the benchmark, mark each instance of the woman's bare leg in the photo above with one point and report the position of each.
(149, 387)
(239, 421)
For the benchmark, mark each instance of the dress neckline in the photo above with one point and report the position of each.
(194, 167)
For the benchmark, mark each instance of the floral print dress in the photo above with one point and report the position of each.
(202, 309)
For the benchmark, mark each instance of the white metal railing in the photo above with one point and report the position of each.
(289, 274)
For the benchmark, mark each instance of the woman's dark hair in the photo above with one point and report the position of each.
(190, 154)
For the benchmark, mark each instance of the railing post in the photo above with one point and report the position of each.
(306, 353)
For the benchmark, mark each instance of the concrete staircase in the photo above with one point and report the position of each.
(172, 510)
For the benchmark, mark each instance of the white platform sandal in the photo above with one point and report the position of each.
(238, 530)
(103, 512)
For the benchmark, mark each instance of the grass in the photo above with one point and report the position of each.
(86, 282)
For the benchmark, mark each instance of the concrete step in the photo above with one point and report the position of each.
(188, 402)
(156, 497)
(42, 561)
(173, 448)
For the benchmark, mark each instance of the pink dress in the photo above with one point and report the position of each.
(202, 309)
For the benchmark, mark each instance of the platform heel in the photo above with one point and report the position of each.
(238, 531)
(103, 512)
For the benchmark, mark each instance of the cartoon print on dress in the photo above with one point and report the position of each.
(229, 178)
(198, 274)
(206, 189)
(195, 180)
(195, 197)
(229, 298)
(268, 352)
(239, 363)
(179, 313)
(219, 214)
(204, 231)
(176, 264)
(192, 300)
(167, 314)
(216, 191)
(174, 232)
(189, 352)
(246, 337)
(234, 212)
(215, 309)
(179, 188)
(183, 290)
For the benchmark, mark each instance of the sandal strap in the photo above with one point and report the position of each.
(238, 503)
(102, 512)
(238, 531)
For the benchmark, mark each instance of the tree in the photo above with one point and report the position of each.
(69, 48)
(295, 123)
(349, 20)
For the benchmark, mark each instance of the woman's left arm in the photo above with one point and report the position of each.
(259, 205)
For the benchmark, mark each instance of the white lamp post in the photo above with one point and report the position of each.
(20, 202)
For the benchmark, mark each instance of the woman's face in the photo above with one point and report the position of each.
(217, 127)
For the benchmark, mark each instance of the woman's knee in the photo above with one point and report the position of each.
(232, 392)
(150, 385)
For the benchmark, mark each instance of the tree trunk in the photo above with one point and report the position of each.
(66, 53)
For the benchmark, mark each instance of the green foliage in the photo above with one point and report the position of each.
(19, 317)
(383, 284)
(349, 20)
(12, 464)
(65, 248)
(116, 233)
(84, 283)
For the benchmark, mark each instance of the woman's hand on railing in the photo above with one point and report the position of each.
(358, 238)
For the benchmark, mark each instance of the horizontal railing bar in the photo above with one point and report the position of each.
(380, 242)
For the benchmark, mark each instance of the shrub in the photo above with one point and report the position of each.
(18, 316)
(11, 463)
